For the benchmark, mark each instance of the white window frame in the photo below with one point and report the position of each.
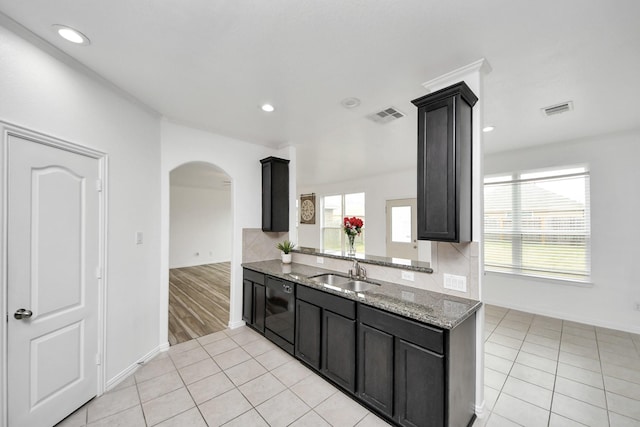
(516, 267)
(343, 238)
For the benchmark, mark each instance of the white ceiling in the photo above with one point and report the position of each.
(211, 63)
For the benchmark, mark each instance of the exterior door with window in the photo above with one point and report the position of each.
(52, 287)
(402, 229)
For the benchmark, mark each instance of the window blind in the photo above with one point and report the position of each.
(538, 224)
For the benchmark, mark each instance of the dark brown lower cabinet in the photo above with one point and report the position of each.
(259, 301)
(253, 300)
(247, 300)
(415, 374)
(409, 372)
(332, 351)
(308, 333)
(419, 385)
(339, 349)
(375, 368)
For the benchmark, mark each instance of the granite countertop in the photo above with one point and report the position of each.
(405, 264)
(442, 310)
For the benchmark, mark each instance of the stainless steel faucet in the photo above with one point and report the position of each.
(357, 272)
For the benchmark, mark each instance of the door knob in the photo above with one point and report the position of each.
(22, 313)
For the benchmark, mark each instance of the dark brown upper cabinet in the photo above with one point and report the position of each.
(275, 194)
(444, 164)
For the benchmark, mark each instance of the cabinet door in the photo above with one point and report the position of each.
(275, 194)
(437, 214)
(308, 329)
(419, 394)
(339, 349)
(375, 368)
(259, 298)
(247, 301)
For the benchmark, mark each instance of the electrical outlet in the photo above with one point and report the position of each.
(320, 260)
(637, 307)
(139, 237)
(456, 283)
(408, 275)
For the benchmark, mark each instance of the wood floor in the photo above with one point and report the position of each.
(198, 301)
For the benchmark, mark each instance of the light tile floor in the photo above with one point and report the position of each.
(539, 371)
(231, 378)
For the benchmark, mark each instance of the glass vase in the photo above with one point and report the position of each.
(351, 250)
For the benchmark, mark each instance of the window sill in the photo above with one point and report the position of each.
(565, 282)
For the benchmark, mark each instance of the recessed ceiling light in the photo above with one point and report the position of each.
(350, 102)
(71, 34)
(267, 107)
(488, 129)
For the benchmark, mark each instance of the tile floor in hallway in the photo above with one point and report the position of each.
(539, 371)
(231, 378)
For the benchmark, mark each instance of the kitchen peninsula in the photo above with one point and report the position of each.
(406, 353)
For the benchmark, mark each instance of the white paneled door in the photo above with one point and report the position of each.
(53, 207)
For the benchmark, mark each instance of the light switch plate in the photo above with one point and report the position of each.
(139, 237)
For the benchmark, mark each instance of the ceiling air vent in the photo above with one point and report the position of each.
(557, 109)
(385, 116)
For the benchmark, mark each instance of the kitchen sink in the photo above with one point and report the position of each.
(358, 285)
(330, 279)
(343, 282)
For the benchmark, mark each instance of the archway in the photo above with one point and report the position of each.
(200, 223)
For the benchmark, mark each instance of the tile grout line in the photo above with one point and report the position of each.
(115, 413)
(135, 382)
(509, 373)
(609, 412)
(485, 341)
(187, 388)
(604, 385)
(555, 374)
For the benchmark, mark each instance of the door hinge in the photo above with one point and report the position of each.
(98, 185)
(98, 359)
(98, 272)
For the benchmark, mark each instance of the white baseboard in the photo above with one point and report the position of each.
(134, 366)
(564, 316)
(480, 410)
(236, 324)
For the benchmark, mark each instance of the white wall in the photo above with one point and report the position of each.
(615, 233)
(200, 226)
(240, 160)
(378, 189)
(47, 92)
